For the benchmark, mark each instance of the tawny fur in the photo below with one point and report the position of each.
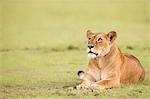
(110, 67)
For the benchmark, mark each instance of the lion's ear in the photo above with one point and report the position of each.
(112, 36)
(89, 32)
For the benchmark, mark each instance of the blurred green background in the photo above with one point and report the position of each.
(59, 23)
(43, 45)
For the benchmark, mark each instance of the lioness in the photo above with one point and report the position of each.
(108, 67)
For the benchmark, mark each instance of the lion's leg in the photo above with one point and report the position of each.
(87, 81)
(104, 84)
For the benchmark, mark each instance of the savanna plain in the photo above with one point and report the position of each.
(43, 45)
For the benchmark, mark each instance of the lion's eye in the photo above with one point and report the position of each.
(100, 39)
(89, 38)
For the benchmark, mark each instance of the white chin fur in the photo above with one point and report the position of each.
(90, 55)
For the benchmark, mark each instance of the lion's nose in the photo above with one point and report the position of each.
(90, 46)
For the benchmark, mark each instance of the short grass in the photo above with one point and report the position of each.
(43, 45)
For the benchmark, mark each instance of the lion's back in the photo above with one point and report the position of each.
(133, 70)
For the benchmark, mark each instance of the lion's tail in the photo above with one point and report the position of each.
(81, 74)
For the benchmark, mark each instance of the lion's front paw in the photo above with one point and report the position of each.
(84, 86)
(78, 87)
(96, 86)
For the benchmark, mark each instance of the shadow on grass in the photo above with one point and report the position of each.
(58, 49)
(44, 49)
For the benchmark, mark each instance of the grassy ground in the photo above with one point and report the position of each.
(43, 45)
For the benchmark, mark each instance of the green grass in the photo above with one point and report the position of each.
(43, 45)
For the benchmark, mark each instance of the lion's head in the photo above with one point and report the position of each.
(99, 44)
